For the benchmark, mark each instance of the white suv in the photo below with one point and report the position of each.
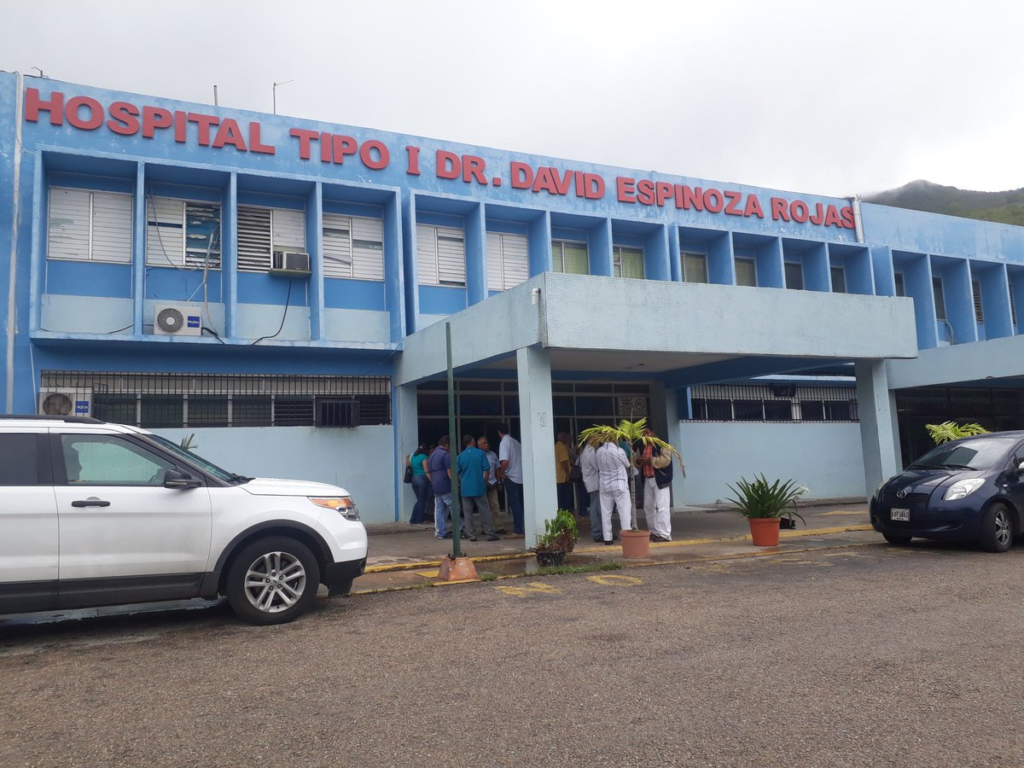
(103, 514)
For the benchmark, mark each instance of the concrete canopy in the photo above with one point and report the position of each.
(683, 333)
(676, 334)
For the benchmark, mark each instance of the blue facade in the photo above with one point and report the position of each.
(117, 156)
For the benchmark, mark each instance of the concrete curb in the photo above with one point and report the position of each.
(783, 535)
(770, 552)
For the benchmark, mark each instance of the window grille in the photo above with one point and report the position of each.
(773, 403)
(172, 400)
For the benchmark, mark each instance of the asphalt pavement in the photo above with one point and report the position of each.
(866, 654)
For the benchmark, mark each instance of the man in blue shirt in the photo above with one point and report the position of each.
(439, 470)
(474, 470)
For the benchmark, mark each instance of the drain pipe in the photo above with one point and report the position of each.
(858, 221)
(12, 295)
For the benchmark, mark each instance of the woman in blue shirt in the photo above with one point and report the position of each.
(420, 483)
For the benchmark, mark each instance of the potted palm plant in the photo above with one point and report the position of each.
(558, 540)
(950, 430)
(765, 504)
(635, 543)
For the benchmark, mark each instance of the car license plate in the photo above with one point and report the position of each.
(899, 514)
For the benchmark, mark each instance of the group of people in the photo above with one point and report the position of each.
(603, 469)
(482, 475)
(607, 468)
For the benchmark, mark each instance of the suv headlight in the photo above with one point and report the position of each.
(343, 504)
(963, 488)
(878, 490)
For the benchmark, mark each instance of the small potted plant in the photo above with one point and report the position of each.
(558, 540)
(765, 504)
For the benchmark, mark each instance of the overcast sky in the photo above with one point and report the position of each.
(815, 96)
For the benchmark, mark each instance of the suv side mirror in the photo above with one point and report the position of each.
(178, 480)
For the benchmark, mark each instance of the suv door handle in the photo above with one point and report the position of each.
(90, 503)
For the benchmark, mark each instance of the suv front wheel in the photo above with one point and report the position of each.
(272, 580)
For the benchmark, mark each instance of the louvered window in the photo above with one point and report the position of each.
(86, 225)
(508, 261)
(440, 256)
(262, 231)
(979, 312)
(353, 247)
(182, 233)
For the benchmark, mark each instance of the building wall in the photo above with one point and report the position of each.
(826, 458)
(359, 460)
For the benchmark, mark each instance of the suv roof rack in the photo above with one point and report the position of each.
(68, 419)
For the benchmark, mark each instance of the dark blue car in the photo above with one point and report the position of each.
(970, 489)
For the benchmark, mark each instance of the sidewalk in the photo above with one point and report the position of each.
(403, 556)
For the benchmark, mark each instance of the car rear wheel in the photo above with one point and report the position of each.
(997, 529)
(272, 580)
(897, 540)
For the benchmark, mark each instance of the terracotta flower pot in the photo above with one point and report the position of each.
(636, 545)
(764, 531)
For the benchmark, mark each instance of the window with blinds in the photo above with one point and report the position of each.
(263, 231)
(182, 233)
(569, 257)
(440, 256)
(353, 247)
(628, 262)
(695, 268)
(88, 225)
(746, 272)
(508, 261)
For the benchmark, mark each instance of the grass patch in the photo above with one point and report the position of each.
(558, 570)
(488, 576)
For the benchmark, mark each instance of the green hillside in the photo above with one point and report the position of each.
(1005, 207)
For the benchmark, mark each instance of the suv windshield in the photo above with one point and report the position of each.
(968, 454)
(213, 469)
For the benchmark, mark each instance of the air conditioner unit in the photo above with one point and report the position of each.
(290, 262)
(65, 401)
(177, 320)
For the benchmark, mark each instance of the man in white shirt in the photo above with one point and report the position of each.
(591, 480)
(613, 483)
(510, 460)
(492, 482)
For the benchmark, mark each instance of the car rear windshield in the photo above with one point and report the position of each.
(969, 454)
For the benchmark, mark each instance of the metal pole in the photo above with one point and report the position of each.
(456, 519)
(215, 96)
